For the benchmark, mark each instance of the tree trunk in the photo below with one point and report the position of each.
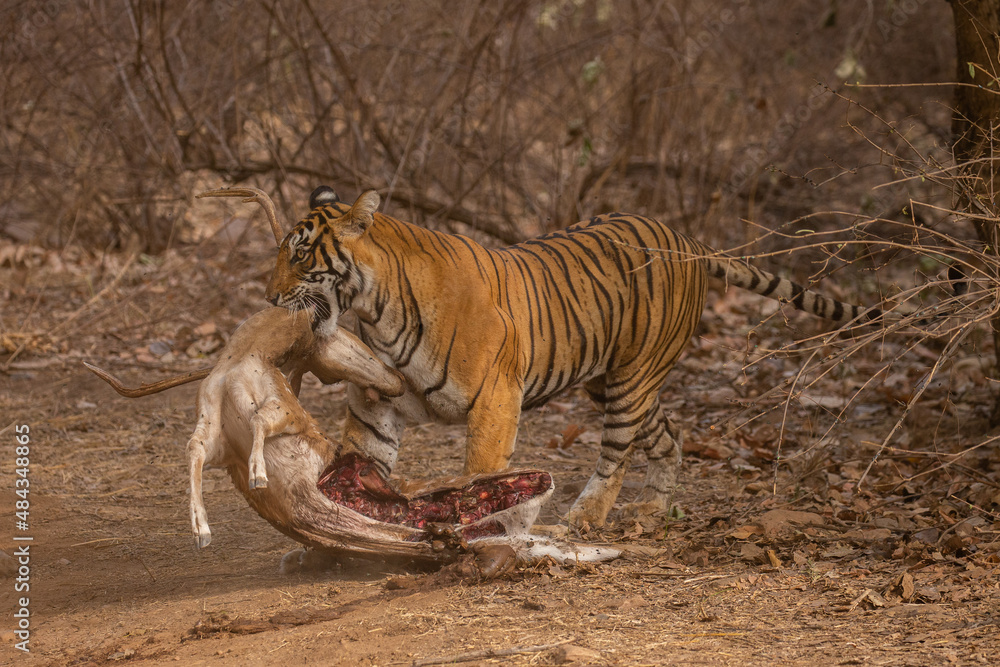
(976, 128)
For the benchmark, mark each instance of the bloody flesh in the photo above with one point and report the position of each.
(352, 481)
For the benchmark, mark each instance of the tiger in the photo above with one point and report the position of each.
(482, 334)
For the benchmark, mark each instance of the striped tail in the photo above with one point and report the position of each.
(742, 274)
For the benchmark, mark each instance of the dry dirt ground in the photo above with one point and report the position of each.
(761, 563)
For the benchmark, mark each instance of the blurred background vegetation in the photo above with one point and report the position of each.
(500, 119)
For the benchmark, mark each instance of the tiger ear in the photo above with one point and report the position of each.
(362, 214)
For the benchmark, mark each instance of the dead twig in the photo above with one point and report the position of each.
(486, 654)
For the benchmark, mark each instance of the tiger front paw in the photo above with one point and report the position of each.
(595, 501)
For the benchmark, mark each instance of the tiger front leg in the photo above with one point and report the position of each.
(492, 429)
(340, 355)
(373, 427)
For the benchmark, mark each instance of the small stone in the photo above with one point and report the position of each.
(571, 653)
(159, 348)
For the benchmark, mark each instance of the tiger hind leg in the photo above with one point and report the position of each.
(661, 441)
(623, 422)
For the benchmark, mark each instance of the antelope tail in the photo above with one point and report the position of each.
(150, 388)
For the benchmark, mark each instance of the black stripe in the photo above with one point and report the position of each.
(381, 437)
(444, 371)
(800, 296)
(771, 286)
(838, 311)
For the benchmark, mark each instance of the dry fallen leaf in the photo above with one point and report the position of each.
(903, 586)
(774, 522)
(745, 532)
(635, 531)
(841, 551)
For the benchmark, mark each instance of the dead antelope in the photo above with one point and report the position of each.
(246, 399)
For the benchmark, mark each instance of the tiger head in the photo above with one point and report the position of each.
(315, 269)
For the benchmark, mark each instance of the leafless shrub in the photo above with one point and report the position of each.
(504, 119)
(945, 307)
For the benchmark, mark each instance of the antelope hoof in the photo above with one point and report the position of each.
(494, 560)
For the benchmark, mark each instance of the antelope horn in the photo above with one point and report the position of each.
(251, 195)
(150, 388)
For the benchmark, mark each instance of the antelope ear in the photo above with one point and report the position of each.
(362, 214)
(324, 194)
